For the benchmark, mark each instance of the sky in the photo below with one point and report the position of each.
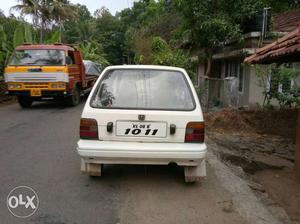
(112, 5)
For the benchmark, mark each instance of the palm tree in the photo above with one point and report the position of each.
(44, 12)
(28, 7)
(38, 9)
(62, 11)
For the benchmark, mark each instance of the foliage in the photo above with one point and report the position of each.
(93, 51)
(278, 84)
(82, 29)
(202, 89)
(110, 36)
(3, 51)
(281, 5)
(53, 37)
(47, 12)
(146, 20)
(209, 25)
(18, 36)
(164, 32)
(28, 34)
(158, 52)
(13, 32)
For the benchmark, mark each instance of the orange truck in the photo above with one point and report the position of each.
(38, 72)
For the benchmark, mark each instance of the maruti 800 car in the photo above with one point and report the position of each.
(142, 114)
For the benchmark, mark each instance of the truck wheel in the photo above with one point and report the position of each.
(25, 102)
(75, 98)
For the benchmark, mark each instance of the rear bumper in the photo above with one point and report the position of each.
(109, 152)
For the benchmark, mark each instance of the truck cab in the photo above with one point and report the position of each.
(47, 71)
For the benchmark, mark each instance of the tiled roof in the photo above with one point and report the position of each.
(283, 48)
(287, 21)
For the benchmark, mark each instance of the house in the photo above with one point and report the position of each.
(234, 83)
(284, 50)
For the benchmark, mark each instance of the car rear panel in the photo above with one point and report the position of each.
(164, 118)
(177, 118)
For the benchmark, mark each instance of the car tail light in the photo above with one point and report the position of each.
(88, 128)
(194, 132)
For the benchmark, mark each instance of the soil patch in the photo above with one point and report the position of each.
(283, 186)
(260, 146)
(263, 122)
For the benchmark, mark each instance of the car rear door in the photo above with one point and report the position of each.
(145, 107)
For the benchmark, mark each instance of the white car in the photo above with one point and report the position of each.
(142, 114)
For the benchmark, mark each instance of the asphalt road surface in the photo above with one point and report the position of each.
(37, 149)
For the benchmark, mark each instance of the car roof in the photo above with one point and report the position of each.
(154, 67)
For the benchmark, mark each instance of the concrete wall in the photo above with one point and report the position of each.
(255, 91)
(244, 96)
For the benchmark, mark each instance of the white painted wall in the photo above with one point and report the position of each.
(255, 91)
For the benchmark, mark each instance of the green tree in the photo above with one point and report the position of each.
(94, 52)
(145, 20)
(209, 25)
(278, 83)
(62, 11)
(110, 35)
(281, 5)
(83, 29)
(45, 12)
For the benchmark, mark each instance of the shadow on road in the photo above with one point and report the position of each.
(52, 105)
(148, 173)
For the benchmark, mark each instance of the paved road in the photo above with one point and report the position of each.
(37, 149)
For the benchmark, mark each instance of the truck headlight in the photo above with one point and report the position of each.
(11, 86)
(15, 86)
(58, 86)
(18, 86)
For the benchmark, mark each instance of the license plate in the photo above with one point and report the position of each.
(35, 92)
(142, 129)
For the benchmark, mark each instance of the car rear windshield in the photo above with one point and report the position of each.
(143, 89)
(38, 57)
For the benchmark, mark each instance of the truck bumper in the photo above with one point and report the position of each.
(109, 152)
(45, 93)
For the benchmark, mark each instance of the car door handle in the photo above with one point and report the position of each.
(172, 129)
(109, 127)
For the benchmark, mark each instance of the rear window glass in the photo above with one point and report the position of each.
(143, 89)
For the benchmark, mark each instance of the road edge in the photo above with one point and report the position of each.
(247, 204)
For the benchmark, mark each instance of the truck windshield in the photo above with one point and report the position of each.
(38, 57)
(143, 89)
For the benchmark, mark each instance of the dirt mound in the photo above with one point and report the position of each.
(270, 122)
